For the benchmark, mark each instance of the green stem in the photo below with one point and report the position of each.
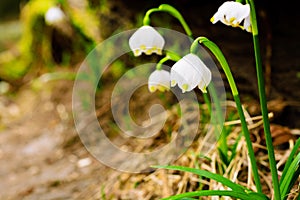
(207, 101)
(172, 11)
(266, 123)
(223, 136)
(263, 102)
(220, 57)
(161, 62)
(146, 20)
(169, 56)
(212, 89)
(219, 125)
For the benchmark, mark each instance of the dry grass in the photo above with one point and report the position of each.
(163, 183)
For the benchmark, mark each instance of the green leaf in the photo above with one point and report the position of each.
(290, 159)
(290, 177)
(234, 194)
(210, 175)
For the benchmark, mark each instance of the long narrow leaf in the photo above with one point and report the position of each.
(234, 194)
(290, 177)
(208, 174)
(290, 159)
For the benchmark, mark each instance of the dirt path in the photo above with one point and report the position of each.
(41, 155)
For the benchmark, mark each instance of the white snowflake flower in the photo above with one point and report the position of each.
(190, 72)
(146, 40)
(232, 14)
(54, 15)
(159, 80)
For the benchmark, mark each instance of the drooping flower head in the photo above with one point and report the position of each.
(146, 40)
(54, 15)
(232, 14)
(159, 80)
(190, 72)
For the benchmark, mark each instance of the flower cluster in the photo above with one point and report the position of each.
(188, 73)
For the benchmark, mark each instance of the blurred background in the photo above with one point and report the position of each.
(29, 46)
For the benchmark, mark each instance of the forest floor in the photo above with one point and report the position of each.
(42, 156)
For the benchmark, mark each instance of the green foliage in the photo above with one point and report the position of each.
(118, 68)
(290, 172)
(32, 23)
(234, 194)
(35, 47)
(32, 17)
(291, 176)
(237, 191)
(85, 22)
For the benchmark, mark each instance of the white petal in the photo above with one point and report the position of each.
(146, 40)
(247, 24)
(159, 79)
(206, 80)
(218, 16)
(189, 72)
(182, 73)
(54, 15)
(224, 10)
(236, 12)
(244, 12)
